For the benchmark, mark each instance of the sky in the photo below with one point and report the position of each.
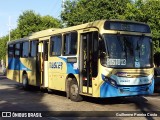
(11, 9)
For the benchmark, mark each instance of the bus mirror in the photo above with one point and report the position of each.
(103, 55)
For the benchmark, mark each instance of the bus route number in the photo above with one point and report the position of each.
(56, 65)
(116, 62)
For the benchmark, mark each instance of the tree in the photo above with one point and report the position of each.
(82, 11)
(50, 22)
(150, 10)
(3, 44)
(30, 22)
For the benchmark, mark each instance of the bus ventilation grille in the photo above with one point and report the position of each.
(135, 89)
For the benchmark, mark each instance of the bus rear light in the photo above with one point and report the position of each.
(84, 78)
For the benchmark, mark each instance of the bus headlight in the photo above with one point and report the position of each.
(113, 82)
(109, 80)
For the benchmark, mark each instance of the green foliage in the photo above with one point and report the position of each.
(82, 11)
(50, 22)
(156, 45)
(28, 22)
(3, 45)
(151, 15)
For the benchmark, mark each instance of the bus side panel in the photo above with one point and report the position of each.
(29, 65)
(9, 71)
(13, 69)
(57, 73)
(96, 83)
(59, 69)
(16, 66)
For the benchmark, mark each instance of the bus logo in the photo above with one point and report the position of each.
(56, 65)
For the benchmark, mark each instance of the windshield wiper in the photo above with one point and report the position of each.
(139, 44)
(122, 46)
(106, 46)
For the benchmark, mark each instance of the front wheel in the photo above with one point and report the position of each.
(74, 92)
(25, 81)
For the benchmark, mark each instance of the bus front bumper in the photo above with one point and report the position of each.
(108, 90)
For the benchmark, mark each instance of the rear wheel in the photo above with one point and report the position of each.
(25, 81)
(74, 91)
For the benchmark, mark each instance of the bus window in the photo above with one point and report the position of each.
(33, 48)
(17, 50)
(70, 44)
(25, 50)
(56, 43)
(11, 50)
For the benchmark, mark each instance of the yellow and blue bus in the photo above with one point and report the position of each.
(105, 58)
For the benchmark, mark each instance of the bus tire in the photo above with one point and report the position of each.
(25, 81)
(74, 92)
(68, 86)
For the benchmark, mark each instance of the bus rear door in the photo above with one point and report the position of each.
(43, 63)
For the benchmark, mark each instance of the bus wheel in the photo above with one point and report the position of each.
(74, 92)
(25, 81)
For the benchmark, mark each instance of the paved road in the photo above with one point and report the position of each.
(14, 98)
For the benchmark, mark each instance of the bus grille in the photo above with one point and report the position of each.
(134, 89)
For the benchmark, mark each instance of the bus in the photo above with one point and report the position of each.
(104, 58)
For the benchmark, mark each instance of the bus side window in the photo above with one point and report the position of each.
(17, 50)
(33, 49)
(11, 50)
(70, 43)
(56, 43)
(25, 49)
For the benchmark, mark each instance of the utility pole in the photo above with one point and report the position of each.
(64, 25)
(62, 5)
(9, 27)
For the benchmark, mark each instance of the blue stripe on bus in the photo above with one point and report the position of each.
(16, 64)
(107, 90)
(70, 67)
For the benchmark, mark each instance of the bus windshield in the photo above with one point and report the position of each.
(124, 51)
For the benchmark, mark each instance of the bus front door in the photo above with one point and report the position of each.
(43, 63)
(88, 60)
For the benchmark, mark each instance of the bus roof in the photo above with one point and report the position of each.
(18, 40)
(49, 32)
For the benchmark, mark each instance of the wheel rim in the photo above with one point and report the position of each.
(24, 81)
(74, 90)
